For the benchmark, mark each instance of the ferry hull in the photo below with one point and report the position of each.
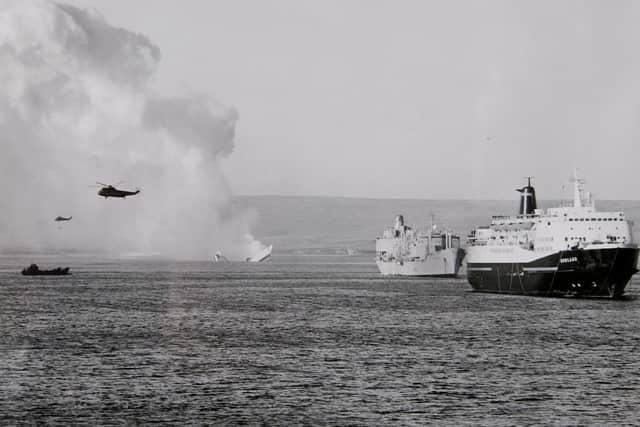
(445, 263)
(580, 272)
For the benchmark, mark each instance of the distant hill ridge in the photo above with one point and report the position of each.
(339, 225)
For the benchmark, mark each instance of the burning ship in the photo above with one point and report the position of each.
(262, 255)
(563, 251)
(403, 251)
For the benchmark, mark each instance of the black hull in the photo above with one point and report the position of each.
(423, 276)
(592, 272)
(56, 272)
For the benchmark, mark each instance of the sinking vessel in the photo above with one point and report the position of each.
(34, 270)
(262, 255)
(404, 251)
(218, 257)
(567, 250)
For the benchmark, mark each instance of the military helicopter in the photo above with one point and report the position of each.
(62, 218)
(111, 191)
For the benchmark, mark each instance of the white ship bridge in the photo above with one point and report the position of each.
(556, 229)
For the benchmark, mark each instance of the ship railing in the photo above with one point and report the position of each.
(527, 216)
(475, 241)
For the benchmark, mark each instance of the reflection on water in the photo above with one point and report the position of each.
(295, 342)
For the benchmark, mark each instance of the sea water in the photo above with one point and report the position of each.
(305, 340)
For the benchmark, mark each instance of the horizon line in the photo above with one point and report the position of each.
(417, 198)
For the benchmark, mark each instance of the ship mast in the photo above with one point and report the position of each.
(577, 189)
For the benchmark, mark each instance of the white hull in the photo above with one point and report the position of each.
(444, 263)
(518, 255)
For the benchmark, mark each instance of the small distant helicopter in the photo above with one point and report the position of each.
(111, 191)
(62, 218)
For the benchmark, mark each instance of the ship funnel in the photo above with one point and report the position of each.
(527, 199)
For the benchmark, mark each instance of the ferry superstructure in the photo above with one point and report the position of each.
(403, 251)
(571, 250)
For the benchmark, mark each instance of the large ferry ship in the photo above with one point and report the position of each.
(571, 250)
(403, 251)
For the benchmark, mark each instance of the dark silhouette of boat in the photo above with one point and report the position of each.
(34, 270)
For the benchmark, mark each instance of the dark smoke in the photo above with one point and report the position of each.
(76, 107)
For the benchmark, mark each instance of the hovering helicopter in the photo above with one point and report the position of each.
(62, 218)
(111, 191)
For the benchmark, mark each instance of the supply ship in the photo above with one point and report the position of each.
(404, 251)
(563, 251)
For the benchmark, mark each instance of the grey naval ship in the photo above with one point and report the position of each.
(563, 251)
(404, 251)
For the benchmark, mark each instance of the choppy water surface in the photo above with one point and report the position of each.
(311, 343)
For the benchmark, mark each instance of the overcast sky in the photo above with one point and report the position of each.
(419, 99)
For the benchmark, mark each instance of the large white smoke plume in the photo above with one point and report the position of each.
(76, 107)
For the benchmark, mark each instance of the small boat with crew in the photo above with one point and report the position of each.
(34, 270)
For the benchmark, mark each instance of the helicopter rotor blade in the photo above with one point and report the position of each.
(100, 183)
